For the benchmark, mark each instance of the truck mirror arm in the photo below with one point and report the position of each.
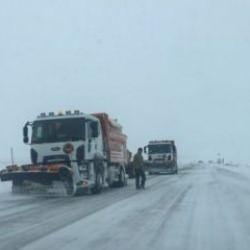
(25, 132)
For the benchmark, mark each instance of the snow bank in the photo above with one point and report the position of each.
(238, 169)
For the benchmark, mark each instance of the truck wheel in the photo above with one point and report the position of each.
(122, 180)
(98, 184)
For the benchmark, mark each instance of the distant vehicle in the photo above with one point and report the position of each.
(75, 151)
(220, 161)
(200, 162)
(162, 157)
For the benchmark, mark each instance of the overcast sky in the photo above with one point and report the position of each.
(166, 69)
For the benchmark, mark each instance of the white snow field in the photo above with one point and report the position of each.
(203, 207)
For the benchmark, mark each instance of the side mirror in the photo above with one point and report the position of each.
(25, 134)
(145, 149)
(94, 128)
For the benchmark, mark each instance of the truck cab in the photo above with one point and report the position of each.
(162, 157)
(74, 137)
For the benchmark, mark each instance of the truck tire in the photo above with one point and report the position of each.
(122, 180)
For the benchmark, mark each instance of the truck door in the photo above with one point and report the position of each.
(93, 138)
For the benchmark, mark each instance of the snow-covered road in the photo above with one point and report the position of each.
(204, 207)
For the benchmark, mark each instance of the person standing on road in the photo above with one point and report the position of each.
(139, 170)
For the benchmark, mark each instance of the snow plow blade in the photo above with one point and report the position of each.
(29, 178)
(43, 177)
(37, 173)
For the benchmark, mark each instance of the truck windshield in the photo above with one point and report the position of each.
(159, 149)
(59, 130)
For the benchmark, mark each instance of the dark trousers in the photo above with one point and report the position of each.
(140, 174)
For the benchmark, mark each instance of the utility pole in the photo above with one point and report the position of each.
(12, 155)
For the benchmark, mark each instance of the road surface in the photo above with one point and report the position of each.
(204, 207)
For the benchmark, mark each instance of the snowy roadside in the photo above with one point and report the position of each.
(235, 172)
(240, 169)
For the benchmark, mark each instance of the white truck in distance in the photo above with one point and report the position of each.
(71, 151)
(162, 157)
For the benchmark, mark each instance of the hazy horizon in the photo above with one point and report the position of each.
(165, 69)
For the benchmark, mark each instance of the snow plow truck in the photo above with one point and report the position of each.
(71, 153)
(162, 157)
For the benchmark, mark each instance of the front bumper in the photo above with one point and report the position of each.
(162, 168)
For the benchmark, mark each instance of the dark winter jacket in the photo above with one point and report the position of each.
(138, 161)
